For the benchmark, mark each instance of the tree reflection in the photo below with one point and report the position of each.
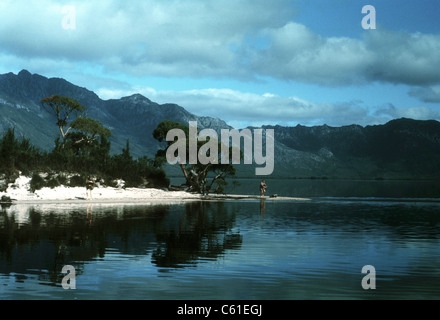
(203, 232)
(45, 240)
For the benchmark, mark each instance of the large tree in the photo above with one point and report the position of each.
(202, 178)
(160, 134)
(87, 131)
(64, 108)
(83, 142)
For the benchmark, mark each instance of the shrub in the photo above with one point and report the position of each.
(62, 179)
(53, 182)
(37, 182)
(77, 181)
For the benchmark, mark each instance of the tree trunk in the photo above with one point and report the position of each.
(188, 181)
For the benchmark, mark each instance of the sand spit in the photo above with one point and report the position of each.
(19, 192)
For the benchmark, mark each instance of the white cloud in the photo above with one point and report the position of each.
(296, 53)
(242, 109)
(400, 57)
(210, 39)
(162, 38)
(429, 94)
(107, 93)
(417, 113)
(240, 39)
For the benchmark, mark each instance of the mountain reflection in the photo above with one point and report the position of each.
(41, 240)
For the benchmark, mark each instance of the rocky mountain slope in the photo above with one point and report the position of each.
(402, 148)
(134, 117)
(399, 149)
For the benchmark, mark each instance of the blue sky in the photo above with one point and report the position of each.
(249, 62)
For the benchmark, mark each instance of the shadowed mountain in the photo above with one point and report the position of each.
(134, 117)
(402, 148)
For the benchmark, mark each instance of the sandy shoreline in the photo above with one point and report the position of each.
(19, 192)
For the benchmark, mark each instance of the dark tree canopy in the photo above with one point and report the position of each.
(82, 150)
(63, 108)
(202, 178)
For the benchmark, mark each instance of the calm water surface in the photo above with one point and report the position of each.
(247, 249)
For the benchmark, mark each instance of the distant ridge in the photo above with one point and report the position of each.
(133, 117)
(400, 149)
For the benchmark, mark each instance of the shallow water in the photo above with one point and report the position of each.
(247, 249)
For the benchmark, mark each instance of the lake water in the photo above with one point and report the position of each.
(248, 249)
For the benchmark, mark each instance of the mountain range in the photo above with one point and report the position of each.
(399, 149)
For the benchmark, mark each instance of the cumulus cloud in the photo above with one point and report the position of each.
(240, 39)
(427, 94)
(242, 109)
(400, 57)
(296, 53)
(417, 113)
(165, 38)
(246, 40)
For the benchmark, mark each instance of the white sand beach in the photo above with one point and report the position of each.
(19, 191)
(63, 199)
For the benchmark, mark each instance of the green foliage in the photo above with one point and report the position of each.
(6, 200)
(83, 148)
(90, 128)
(78, 181)
(135, 172)
(37, 182)
(18, 154)
(202, 178)
(52, 183)
(63, 108)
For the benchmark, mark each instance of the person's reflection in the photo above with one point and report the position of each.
(262, 206)
(89, 213)
(63, 251)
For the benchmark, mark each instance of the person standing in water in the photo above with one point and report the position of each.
(263, 187)
(89, 187)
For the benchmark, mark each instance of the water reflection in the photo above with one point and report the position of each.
(343, 188)
(403, 221)
(262, 206)
(258, 249)
(42, 239)
(203, 232)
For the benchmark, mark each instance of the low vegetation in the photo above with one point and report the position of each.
(81, 150)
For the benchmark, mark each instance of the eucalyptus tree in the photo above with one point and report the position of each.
(65, 109)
